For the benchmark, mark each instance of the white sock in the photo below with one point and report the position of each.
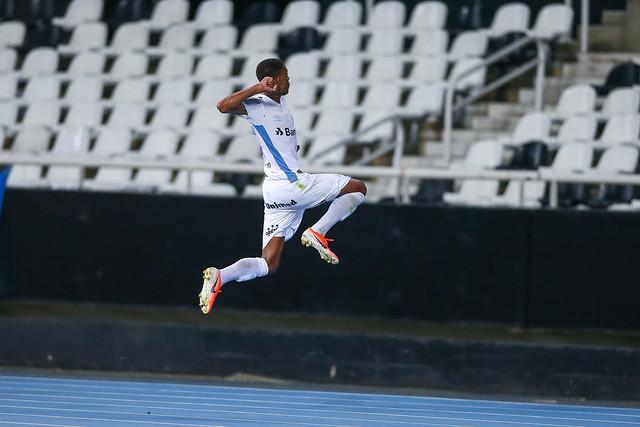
(245, 269)
(339, 210)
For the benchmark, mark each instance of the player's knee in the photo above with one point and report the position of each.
(273, 262)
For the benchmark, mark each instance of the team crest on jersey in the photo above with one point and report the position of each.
(271, 229)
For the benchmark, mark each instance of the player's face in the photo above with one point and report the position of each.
(282, 80)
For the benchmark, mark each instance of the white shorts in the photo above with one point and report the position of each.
(285, 202)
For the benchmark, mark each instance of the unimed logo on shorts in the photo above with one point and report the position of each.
(275, 205)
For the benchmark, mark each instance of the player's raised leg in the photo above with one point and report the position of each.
(240, 271)
(350, 197)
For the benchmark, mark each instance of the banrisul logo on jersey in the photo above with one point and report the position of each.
(285, 131)
(275, 205)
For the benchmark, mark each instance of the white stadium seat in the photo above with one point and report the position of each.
(42, 113)
(389, 14)
(344, 67)
(131, 91)
(41, 60)
(429, 69)
(71, 140)
(213, 13)
(384, 68)
(426, 99)
(343, 13)
(170, 116)
(112, 141)
(12, 33)
(534, 126)
(334, 121)
(618, 159)
(25, 176)
(303, 96)
(574, 156)
(301, 13)
(176, 91)
(126, 115)
(302, 66)
(469, 44)
(510, 18)
(175, 65)
(578, 128)
(80, 11)
(554, 20)
(576, 99)
(8, 59)
(92, 35)
(209, 118)
(8, 86)
(214, 66)
(339, 94)
(624, 128)
(159, 143)
(129, 64)
(8, 113)
(200, 144)
(319, 145)
(429, 43)
(219, 39)
(342, 40)
(86, 64)
(84, 114)
(243, 148)
(42, 88)
(622, 101)
(259, 38)
(474, 79)
(31, 140)
(385, 42)
(532, 194)
(212, 92)
(130, 36)
(178, 37)
(169, 12)
(428, 15)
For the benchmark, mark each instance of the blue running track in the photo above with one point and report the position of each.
(50, 401)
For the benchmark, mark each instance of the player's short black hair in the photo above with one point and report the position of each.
(269, 68)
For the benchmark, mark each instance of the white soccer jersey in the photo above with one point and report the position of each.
(273, 126)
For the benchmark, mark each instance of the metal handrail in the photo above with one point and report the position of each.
(539, 61)
(217, 164)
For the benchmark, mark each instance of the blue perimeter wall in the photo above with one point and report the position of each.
(519, 267)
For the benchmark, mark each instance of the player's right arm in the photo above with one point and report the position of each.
(233, 103)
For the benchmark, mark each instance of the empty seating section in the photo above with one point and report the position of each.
(147, 89)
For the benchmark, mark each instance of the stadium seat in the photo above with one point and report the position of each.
(429, 69)
(8, 114)
(339, 94)
(576, 99)
(532, 126)
(622, 101)
(33, 140)
(168, 12)
(301, 13)
(319, 145)
(130, 36)
(127, 115)
(387, 14)
(109, 178)
(42, 88)
(61, 177)
(12, 33)
(343, 13)
(344, 67)
(259, 38)
(112, 141)
(574, 157)
(382, 131)
(302, 96)
(175, 65)
(84, 114)
(179, 37)
(8, 59)
(176, 91)
(554, 20)
(212, 92)
(384, 42)
(468, 44)
(131, 91)
(334, 121)
(198, 145)
(620, 129)
(25, 176)
(214, 66)
(302, 66)
(342, 41)
(169, 116)
(222, 38)
(510, 18)
(42, 113)
(428, 15)
(626, 74)
(79, 12)
(481, 155)
(616, 159)
(577, 128)
(86, 63)
(426, 99)
(430, 43)
(532, 194)
(8, 87)
(384, 68)
(475, 79)
(207, 117)
(70, 141)
(87, 36)
(41, 60)
(212, 13)
(243, 148)
(529, 156)
(129, 64)
(159, 143)
(381, 96)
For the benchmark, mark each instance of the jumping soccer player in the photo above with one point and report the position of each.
(287, 191)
